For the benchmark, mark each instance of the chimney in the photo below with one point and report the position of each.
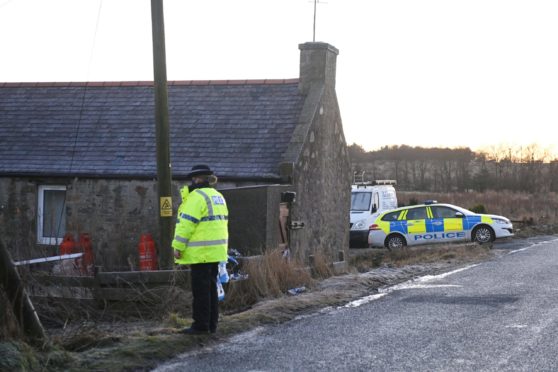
(317, 65)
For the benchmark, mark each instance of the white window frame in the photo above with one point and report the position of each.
(40, 214)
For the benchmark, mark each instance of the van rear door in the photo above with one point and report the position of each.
(388, 199)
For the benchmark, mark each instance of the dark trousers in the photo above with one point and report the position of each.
(205, 306)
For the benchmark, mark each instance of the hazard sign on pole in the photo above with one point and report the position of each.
(166, 206)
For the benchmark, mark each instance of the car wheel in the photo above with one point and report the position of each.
(395, 242)
(483, 234)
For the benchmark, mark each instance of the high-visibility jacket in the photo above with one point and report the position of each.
(201, 233)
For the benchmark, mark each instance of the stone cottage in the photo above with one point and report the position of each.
(80, 157)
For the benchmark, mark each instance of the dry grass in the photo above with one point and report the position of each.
(270, 276)
(175, 320)
(447, 252)
(321, 267)
(17, 356)
(365, 260)
(9, 327)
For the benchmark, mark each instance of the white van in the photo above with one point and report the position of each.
(368, 200)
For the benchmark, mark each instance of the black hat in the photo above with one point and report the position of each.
(200, 170)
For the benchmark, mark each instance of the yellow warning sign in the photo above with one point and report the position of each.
(166, 206)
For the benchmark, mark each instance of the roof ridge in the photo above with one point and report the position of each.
(146, 83)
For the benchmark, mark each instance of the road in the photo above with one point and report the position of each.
(500, 315)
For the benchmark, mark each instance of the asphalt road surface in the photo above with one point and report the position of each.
(500, 315)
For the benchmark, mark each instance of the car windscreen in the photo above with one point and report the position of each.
(360, 201)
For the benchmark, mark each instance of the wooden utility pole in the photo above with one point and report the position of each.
(21, 304)
(164, 176)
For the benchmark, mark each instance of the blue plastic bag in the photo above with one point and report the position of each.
(223, 273)
(220, 291)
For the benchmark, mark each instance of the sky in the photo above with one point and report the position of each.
(433, 73)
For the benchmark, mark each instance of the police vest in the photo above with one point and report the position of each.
(201, 232)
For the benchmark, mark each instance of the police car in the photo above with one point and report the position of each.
(435, 223)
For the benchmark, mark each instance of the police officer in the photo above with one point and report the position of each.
(200, 240)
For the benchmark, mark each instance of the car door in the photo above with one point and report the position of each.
(446, 223)
(416, 225)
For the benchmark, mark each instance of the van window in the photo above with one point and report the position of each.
(376, 202)
(360, 201)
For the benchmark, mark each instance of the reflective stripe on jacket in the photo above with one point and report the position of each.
(201, 232)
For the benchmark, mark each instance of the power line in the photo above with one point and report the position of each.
(82, 105)
(85, 86)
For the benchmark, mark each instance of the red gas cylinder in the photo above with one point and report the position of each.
(87, 249)
(147, 253)
(68, 244)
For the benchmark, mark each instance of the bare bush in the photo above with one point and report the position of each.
(9, 328)
(270, 275)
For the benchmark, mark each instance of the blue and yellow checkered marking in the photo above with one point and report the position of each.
(398, 226)
(433, 225)
(470, 221)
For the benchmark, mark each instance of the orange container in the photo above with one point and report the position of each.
(87, 249)
(68, 244)
(147, 253)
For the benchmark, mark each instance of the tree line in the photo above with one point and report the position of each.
(527, 169)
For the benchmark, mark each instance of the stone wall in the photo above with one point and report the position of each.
(18, 210)
(116, 212)
(322, 179)
(317, 161)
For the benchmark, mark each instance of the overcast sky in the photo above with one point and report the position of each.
(473, 73)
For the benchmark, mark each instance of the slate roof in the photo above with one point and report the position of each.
(240, 128)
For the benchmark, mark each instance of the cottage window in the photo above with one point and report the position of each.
(51, 216)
